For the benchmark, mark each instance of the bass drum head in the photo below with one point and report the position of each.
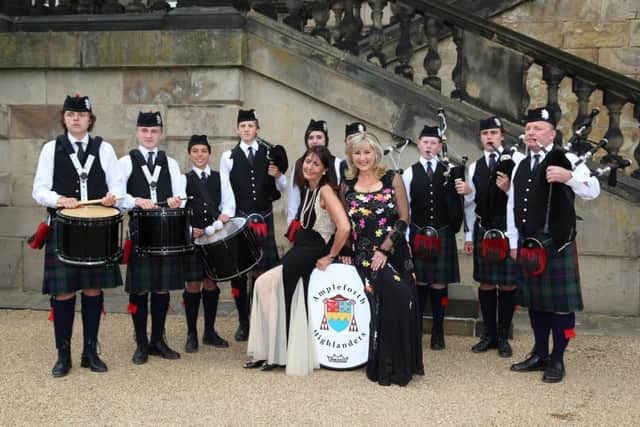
(339, 317)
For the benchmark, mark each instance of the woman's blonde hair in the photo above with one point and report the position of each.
(360, 140)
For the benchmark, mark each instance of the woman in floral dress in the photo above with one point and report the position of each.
(376, 202)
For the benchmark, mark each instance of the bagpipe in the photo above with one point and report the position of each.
(427, 244)
(560, 215)
(395, 151)
(276, 155)
(495, 245)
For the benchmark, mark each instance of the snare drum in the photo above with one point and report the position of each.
(161, 232)
(339, 317)
(229, 252)
(89, 236)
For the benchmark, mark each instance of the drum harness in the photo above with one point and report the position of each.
(152, 180)
(83, 173)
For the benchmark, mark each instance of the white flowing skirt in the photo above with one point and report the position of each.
(267, 335)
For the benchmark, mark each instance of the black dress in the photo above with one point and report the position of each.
(395, 347)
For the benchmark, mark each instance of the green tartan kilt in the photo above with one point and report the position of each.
(60, 278)
(443, 269)
(506, 272)
(193, 265)
(558, 288)
(154, 273)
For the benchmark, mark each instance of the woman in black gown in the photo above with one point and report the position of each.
(377, 205)
(279, 332)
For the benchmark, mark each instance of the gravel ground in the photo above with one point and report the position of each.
(602, 386)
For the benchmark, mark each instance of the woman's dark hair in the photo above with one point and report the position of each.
(92, 121)
(327, 160)
(308, 132)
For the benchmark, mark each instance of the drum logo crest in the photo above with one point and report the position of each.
(339, 313)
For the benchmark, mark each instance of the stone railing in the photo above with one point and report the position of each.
(492, 62)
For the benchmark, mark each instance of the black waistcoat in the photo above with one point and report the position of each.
(137, 184)
(491, 202)
(66, 181)
(248, 183)
(205, 209)
(428, 197)
(530, 197)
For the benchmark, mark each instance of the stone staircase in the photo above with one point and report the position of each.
(302, 76)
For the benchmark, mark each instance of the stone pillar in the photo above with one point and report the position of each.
(5, 184)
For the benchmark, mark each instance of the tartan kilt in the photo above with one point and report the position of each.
(442, 270)
(270, 257)
(506, 272)
(60, 278)
(193, 266)
(558, 288)
(154, 273)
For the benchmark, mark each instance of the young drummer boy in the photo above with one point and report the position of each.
(434, 203)
(256, 182)
(74, 167)
(152, 177)
(212, 204)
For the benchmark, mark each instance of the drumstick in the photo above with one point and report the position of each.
(182, 199)
(90, 202)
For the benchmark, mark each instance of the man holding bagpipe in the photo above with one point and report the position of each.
(255, 170)
(436, 215)
(541, 207)
(485, 208)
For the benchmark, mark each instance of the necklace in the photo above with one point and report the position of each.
(307, 205)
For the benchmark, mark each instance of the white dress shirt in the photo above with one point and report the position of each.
(293, 201)
(43, 182)
(227, 199)
(226, 164)
(584, 186)
(469, 199)
(178, 182)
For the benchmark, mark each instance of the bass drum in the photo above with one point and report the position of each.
(229, 252)
(89, 236)
(339, 317)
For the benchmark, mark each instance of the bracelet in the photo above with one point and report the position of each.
(384, 252)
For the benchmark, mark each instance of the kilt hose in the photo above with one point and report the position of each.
(444, 268)
(60, 278)
(506, 272)
(558, 288)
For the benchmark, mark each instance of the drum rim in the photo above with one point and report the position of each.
(229, 236)
(206, 270)
(111, 260)
(117, 213)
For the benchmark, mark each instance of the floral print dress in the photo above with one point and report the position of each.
(395, 347)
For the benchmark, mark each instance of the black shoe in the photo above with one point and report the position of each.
(531, 364)
(91, 360)
(191, 346)
(270, 367)
(486, 342)
(212, 338)
(437, 340)
(504, 348)
(253, 364)
(160, 348)
(63, 365)
(554, 373)
(141, 355)
(242, 334)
